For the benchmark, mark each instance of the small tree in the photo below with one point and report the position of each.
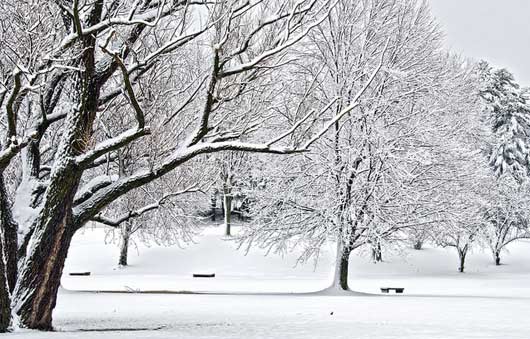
(171, 218)
(466, 198)
(507, 216)
(418, 235)
(460, 234)
(234, 170)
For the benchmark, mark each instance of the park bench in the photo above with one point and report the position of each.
(396, 289)
(204, 275)
(82, 274)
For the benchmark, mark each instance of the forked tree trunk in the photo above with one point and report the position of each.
(340, 279)
(124, 249)
(36, 292)
(40, 277)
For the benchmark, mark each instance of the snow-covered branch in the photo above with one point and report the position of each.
(10, 109)
(280, 47)
(117, 222)
(86, 159)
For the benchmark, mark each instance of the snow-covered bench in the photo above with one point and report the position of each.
(388, 289)
(83, 274)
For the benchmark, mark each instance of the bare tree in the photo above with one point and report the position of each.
(506, 216)
(172, 217)
(463, 224)
(468, 192)
(375, 174)
(234, 170)
(180, 69)
(418, 236)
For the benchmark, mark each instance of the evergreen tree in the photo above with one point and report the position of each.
(508, 109)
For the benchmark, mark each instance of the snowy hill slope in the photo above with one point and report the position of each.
(431, 271)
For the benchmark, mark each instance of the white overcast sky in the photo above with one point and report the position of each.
(494, 30)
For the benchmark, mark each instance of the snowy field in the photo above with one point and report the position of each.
(257, 296)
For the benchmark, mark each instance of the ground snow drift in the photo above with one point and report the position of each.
(257, 296)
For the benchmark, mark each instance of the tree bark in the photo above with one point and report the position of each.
(5, 300)
(497, 255)
(213, 204)
(9, 238)
(462, 257)
(124, 249)
(340, 280)
(8, 261)
(377, 253)
(227, 194)
(36, 292)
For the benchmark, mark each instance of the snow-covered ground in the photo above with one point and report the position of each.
(486, 302)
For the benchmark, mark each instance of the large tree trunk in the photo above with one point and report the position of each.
(10, 237)
(36, 291)
(462, 256)
(39, 278)
(5, 302)
(340, 280)
(124, 249)
(8, 264)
